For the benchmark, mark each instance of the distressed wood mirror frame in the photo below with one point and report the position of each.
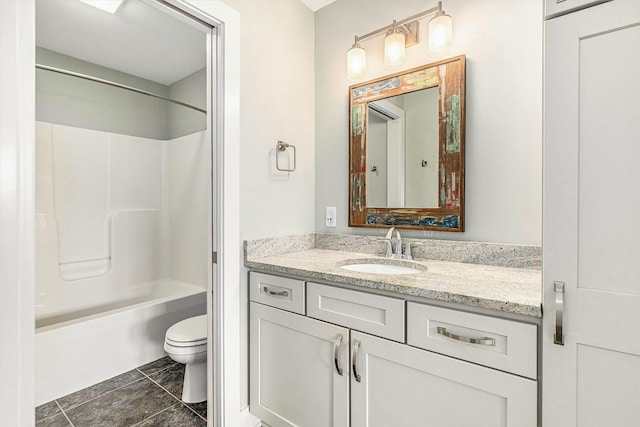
(449, 77)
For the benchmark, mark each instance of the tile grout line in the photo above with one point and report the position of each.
(151, 416)
(100, 395)
(172, 395)
(110, 391)
(157, 371)
(144, 375)
(65, 414)
(164, 389)
(192, 410)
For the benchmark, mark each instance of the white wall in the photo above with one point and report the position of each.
(76, 102)
(276, 103)
(81, 103)
(191, 90)
(502, 40)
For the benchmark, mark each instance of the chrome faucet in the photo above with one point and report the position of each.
(398, 253)
(398, 250)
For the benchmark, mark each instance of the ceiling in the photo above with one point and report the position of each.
(139, 39)
(316, 4)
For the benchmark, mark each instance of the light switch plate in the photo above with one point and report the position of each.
(330, 216)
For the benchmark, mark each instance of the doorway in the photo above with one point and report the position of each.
(124, 193)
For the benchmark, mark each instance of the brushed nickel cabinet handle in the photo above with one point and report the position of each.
(354, 360)
(275, 293)
(558, 337)
(336, 353)
(491, 342)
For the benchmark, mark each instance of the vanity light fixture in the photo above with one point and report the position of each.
(402, 34)
(356, 62)
(110, 6)
(440, 34)
(394, 44)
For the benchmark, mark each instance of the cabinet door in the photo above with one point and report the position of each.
(591, 217)
(403, 386)
(559, 7)
(294, 378)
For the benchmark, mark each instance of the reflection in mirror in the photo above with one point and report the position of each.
(402, 151)
(406, 149)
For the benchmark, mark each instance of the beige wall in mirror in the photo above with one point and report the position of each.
(406, 148)
(402, 150)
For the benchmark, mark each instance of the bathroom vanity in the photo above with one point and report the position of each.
(455, 344)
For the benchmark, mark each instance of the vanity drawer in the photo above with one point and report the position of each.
(498, 343)
(376, 314)
(280, 292)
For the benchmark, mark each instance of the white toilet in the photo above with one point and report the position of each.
(186, 342)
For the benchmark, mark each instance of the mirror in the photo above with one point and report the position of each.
(406, 148)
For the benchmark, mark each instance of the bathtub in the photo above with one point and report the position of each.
(78, 346)
(116, 215)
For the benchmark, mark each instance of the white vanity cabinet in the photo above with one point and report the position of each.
(402, 386)
(369, 360)
(294, 362)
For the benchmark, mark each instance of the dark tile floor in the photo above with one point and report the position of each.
(148, 396)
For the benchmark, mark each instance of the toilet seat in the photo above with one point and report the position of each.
(190, 332)
(184, 350)
(182, 344)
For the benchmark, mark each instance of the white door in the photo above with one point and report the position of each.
(402, 386)
(294, 378)
(591, 235)
(559, 7)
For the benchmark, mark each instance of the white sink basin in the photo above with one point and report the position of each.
(386, 266)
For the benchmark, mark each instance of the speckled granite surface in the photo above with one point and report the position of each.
(505, 289)
(497, 254)
(278, 245)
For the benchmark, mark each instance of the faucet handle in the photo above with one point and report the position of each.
(407, 251)
(389, 253)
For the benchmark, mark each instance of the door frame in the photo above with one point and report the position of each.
(17, 195)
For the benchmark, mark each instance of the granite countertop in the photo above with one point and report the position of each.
(504, 289)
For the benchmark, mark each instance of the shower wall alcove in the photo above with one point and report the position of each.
(123, 201)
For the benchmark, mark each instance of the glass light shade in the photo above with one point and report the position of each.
(394, 52)
(440, 35)
(356, 63)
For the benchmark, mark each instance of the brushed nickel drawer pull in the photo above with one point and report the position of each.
(275, 293)
(336, 354)
(354, 361)
(480, 341)
(558, 337)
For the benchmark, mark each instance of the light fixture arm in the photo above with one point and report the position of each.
(385, 29)
(400, 35)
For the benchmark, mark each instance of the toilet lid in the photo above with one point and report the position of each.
(191, 331)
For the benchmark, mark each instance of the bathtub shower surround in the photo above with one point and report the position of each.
(119, 251)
